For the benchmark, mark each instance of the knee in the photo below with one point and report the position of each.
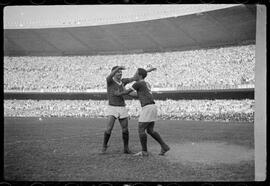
(141, 130)
(125, 130)
(150, 131)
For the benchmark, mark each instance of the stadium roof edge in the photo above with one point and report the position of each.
(31, 17)
(217, 28)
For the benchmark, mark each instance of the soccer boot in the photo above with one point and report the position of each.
(141, 153)
(104, 149)
(164, 150)
(127, 151)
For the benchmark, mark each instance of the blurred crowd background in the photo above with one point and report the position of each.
(196, 110)
(225, 67)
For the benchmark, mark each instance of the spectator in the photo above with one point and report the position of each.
(197, 110)
(225, 67)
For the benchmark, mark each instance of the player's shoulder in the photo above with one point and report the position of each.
(138, 84)
(109, 79)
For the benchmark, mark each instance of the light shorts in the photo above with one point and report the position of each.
(148, 113)
(117, 111)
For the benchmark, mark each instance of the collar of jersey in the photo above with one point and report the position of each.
(117, 82)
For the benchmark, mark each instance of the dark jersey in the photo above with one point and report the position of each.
(113, 86)
(144, 92)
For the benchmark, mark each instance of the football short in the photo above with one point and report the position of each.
(117, 111)
(148, 113)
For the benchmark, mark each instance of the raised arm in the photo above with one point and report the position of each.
(114, 72)
(128, 80)
(151, 69)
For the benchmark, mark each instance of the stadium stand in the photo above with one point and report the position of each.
(198, 110)
(74, 61)
(214, 68)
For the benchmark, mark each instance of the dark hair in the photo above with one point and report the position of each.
(114, 67)
(142, 72)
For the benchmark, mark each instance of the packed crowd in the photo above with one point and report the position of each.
(197, 110)
(225, 67)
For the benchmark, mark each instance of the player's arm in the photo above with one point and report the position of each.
(128, 80)
(124, 92)
(136, 86)
(151, 69)
(133, 94)
(109, 77)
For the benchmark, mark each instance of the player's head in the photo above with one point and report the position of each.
(118, 74)
(140, 74)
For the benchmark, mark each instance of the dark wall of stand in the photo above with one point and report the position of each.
(247, 93)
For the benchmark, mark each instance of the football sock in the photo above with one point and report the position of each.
(158, 138)
(106, 138)
(125, 136)
(143, 140)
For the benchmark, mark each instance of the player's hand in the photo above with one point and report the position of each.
(133, 94)
(153, 69)
(134, 77)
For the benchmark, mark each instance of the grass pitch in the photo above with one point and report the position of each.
(68, 149)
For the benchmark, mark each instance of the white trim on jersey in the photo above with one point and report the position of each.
(132, 88)
(119, 83)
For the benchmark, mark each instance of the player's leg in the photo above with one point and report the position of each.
(143, 123)
(143, 138)
(123, 120)
(125, 134)
(157, 137)
(108, 131)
